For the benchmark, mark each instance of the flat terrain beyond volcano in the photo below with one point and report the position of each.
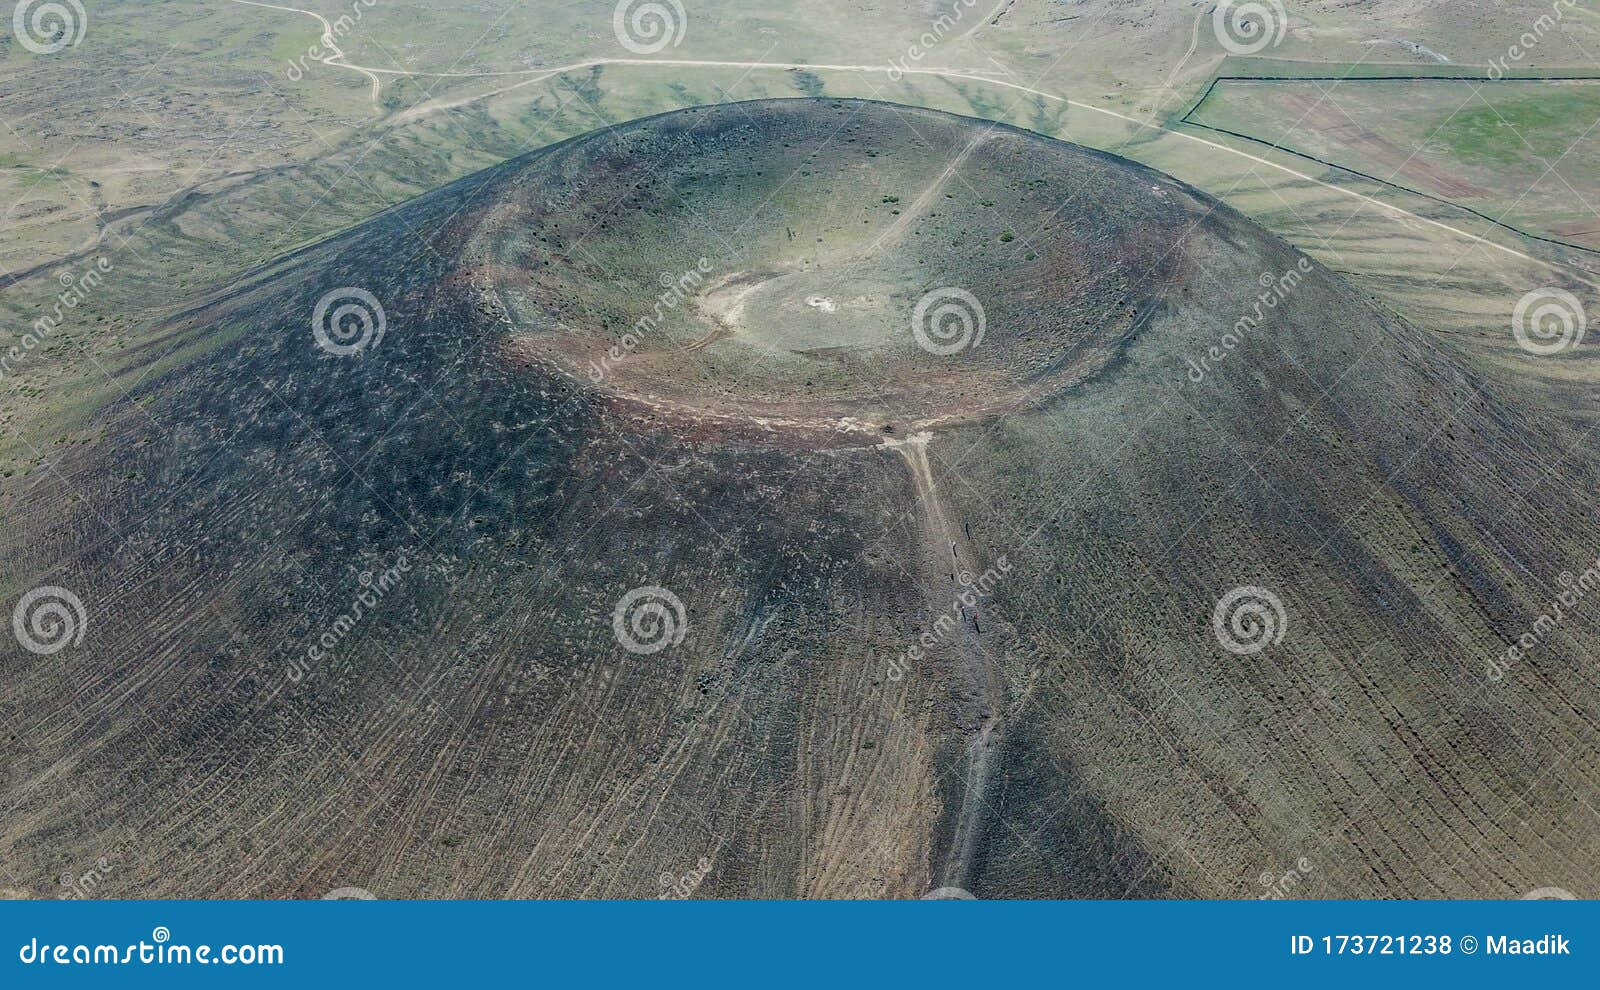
(806, 498)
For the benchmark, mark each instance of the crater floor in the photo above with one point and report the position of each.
(830, 261)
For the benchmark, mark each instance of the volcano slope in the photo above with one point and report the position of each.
(685, 532)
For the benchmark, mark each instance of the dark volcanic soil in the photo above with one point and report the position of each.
(925, 619)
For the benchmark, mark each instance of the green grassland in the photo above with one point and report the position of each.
(1519, 151)
(1548, 123)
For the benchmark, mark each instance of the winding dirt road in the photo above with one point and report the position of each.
(336, 56)
(538, 75)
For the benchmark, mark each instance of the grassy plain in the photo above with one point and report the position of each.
(1517, 151)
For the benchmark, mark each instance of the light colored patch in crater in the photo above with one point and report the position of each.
(810, 313)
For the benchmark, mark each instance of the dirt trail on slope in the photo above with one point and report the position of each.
(897, 230)
(946, 556)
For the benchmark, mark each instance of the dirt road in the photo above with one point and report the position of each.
(946, 558)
